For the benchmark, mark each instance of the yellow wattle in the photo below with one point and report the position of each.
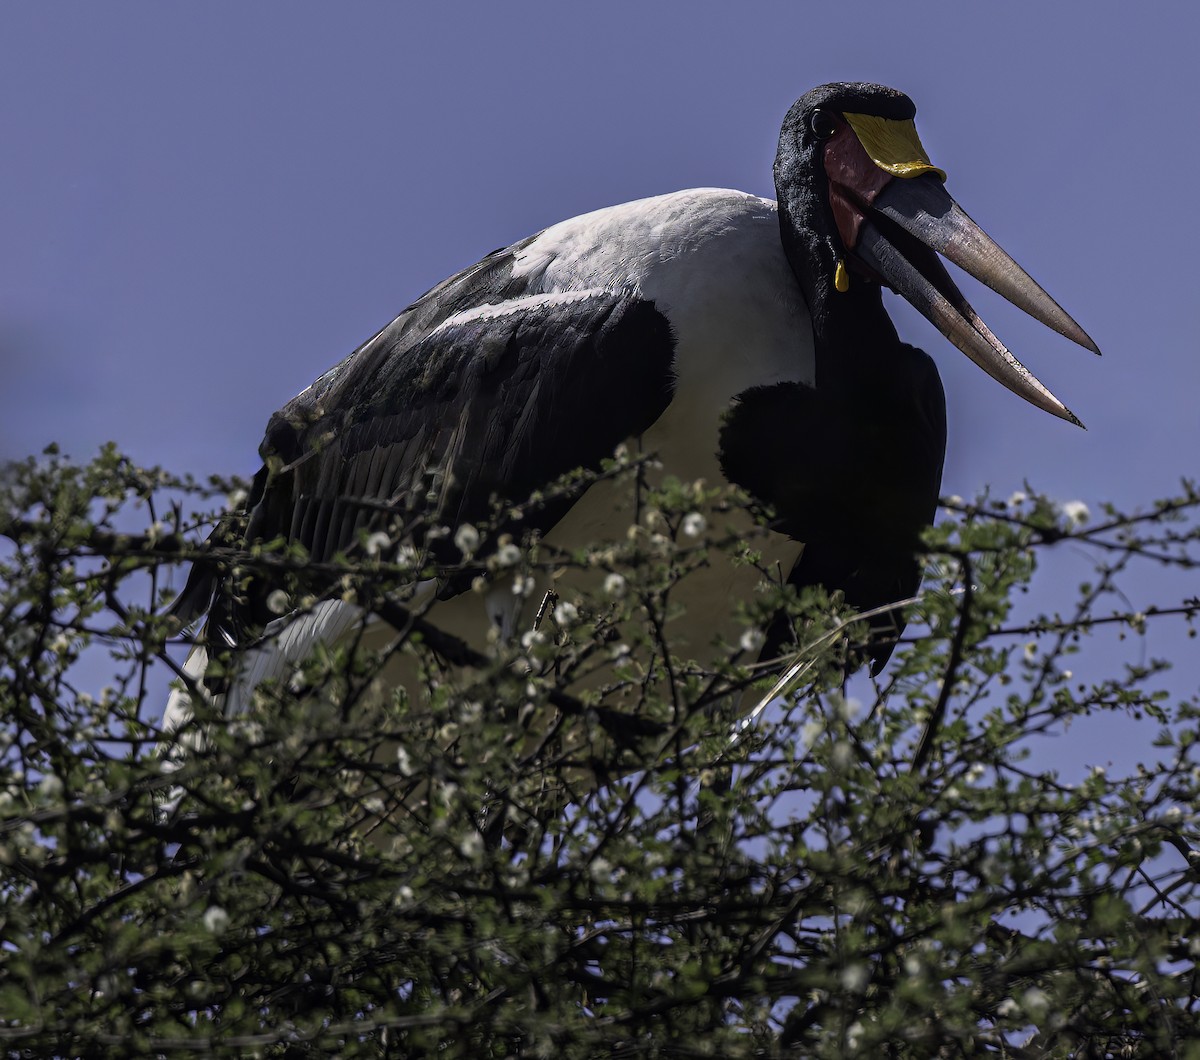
(841, 277)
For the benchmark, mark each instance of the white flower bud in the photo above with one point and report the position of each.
(507, 555)
(615, 586)
(404, 762)
(752, 640)
(1075, 512)
(376, 543)
(466, 539)
(471, 846)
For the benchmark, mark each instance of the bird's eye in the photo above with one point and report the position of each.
(822, 124)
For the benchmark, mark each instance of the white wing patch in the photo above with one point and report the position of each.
(494, 310)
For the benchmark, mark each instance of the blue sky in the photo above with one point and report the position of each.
(206, 205)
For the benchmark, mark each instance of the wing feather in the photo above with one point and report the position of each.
(450, 406)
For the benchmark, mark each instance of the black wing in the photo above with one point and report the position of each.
(480, 390)
(855, 477)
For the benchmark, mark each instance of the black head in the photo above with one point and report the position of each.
(861, 205)
(802, 183)
(858, 97)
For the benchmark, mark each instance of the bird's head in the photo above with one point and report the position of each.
(862, 205)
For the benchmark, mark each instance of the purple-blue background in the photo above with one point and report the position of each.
(204, 206)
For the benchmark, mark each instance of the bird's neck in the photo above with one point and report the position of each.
(855, 340)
